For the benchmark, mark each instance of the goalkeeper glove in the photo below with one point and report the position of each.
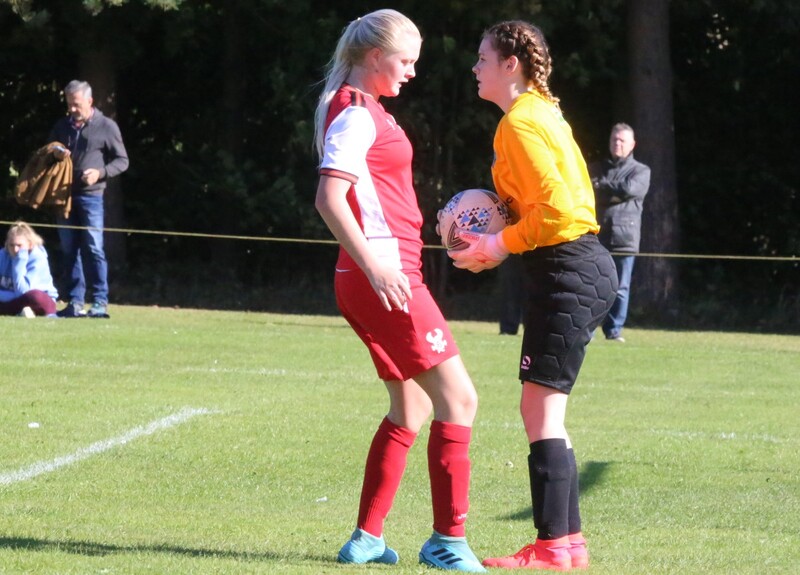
(484, 251)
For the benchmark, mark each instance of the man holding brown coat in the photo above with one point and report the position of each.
(94, 143)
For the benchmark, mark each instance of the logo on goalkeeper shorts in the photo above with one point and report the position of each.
(437, 341)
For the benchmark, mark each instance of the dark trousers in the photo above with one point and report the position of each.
(37, 300)
(512, 293)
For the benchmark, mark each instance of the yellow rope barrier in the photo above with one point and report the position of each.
(334, 242)
(186, 234)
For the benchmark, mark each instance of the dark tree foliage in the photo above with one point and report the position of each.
(737, 132)
(216, 98)
(736, 124)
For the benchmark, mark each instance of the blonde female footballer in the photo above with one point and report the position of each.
(367, 199)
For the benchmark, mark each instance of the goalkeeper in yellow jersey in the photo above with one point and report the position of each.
(570, 279)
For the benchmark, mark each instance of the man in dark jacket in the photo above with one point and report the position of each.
(94, 143)
(620, 185)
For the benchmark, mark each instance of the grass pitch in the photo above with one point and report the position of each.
(177, 442)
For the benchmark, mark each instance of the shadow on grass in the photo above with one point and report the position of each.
(591, 476)
(93, 549)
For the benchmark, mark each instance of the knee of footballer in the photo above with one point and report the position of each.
(411, 419)
(461, 409)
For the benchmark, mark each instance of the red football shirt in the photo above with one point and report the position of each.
(365, 146)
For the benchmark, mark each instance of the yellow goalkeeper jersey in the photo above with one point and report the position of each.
(541, 175)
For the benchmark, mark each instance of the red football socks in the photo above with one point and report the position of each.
(386, 463)
(449, 470)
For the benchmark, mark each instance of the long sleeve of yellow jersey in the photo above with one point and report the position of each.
(540, 168)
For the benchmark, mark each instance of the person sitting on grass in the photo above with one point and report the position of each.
(26, 286)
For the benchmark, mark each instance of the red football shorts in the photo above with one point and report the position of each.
(402, 343)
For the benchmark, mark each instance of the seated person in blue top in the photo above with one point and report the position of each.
(26, 286)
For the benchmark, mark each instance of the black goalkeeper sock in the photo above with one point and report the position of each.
(549, 468)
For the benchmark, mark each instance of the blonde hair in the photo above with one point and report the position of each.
(527, 43)
(21, 229)
(382, 29)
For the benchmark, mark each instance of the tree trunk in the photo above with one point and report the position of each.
(97, 67)
(231, 128)
(655, 287)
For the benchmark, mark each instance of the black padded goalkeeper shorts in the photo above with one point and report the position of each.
(569, 289)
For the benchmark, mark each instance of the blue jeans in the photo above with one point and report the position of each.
(84, 249)
(615, 320)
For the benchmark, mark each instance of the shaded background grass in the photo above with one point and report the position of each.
(687, 443)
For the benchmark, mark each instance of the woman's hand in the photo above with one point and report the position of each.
(19, 246)
(391, 285)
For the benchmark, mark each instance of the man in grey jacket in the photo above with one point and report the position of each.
(620, 185)
(94, 143)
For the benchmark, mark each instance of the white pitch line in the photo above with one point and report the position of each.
(41, 467)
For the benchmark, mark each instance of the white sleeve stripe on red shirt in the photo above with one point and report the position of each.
(347, 141)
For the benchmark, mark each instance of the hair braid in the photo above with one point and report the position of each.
(528, 44)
